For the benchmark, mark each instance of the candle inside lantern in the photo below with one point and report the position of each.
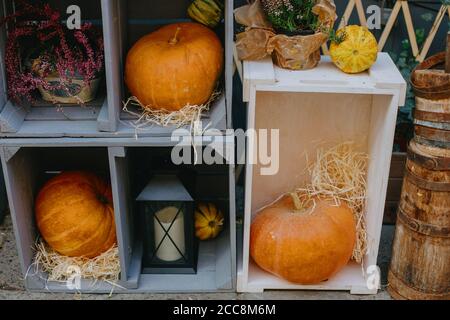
(167, 250)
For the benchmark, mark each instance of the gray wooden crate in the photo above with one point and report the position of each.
(123, 22)
(46, 117)
(137, 18)
(25, 166)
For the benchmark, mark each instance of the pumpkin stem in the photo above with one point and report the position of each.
(102, 199)
(174, 40)
(297, 203)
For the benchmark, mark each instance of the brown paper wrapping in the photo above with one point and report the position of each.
(259, 40)
(252, 44)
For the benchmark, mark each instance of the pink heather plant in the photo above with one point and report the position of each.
(68, 53)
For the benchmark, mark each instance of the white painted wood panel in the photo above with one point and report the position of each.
(319, 108)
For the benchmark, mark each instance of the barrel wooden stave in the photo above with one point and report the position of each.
(434, 114)
(432, 122)
(422, 202)
(429, 81)
(420, 265)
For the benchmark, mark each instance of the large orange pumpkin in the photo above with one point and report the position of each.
(75, 216)
(177, 65)
(304, 247)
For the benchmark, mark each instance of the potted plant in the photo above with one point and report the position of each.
(43, 55)
(291, 31)
(291, 17)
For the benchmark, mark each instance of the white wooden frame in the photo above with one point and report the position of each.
(382, 90)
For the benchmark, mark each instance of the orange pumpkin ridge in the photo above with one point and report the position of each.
(303, 247)
(174, 66)
(75, 216)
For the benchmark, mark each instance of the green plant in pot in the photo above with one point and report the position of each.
(292, 17)
(43, 56)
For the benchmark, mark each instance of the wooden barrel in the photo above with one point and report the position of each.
(432, 122)
(420, 264)
(429, 79)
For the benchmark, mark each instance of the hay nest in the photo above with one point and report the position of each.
(105, 267)
(189, 115)
(339, 173)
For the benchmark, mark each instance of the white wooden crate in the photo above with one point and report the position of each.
(322, 106)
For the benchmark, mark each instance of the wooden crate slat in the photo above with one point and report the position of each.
(18, 172)
(113, 60)
(12, 118)
(229, 37)
(350, 274)
(263, 71)
(62, 113)
(103, 117)
(122, 213)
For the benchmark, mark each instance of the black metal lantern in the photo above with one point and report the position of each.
(167, 212)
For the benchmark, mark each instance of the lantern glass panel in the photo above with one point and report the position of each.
(170, 244)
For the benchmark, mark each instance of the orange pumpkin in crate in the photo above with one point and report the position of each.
(75, 215)
(303, 246)
(177, 65)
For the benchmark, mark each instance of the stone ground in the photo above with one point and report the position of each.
(11, 284)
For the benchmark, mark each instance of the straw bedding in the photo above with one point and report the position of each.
(339, 173)
(105, 267)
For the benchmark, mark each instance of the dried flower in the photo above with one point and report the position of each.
(42, 46)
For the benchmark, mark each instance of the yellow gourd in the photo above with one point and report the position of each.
(357, 51)
(207, 12)
(208, 221)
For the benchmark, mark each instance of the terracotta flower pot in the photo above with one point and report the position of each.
(79, 92)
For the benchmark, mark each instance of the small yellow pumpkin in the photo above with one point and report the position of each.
(357, 51)
(207, 12)
(208, 221)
